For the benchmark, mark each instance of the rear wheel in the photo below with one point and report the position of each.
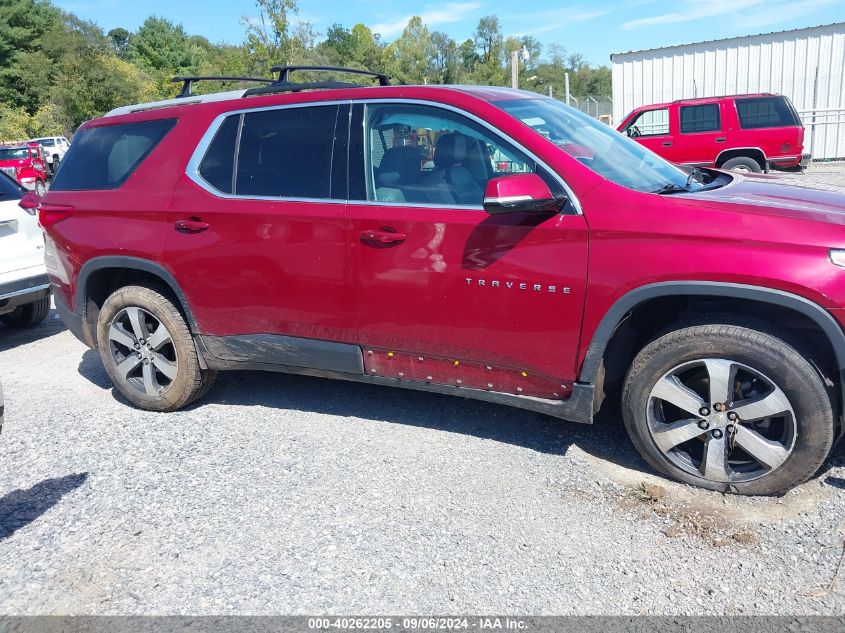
(148, 351)
(28, 315)
(743, 163)
(728, 408)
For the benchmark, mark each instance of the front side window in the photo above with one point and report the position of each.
(700, 118)
(601, 148)
(104, 157)
(425, 154)
(286, 153)
(649, 123)
(766, 112)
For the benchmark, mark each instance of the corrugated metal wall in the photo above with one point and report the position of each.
(806, 65)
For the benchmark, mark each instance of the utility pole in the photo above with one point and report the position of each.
(515, 69)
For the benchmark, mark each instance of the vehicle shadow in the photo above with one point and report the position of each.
(605, 440)
(11, 338)
(21, 507)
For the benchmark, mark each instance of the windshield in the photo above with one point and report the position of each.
(13, 153)
(599, 147)
(46, 142)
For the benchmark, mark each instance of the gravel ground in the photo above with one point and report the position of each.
(289, 495)
(832, 173)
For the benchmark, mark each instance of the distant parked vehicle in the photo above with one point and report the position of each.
(24, 287)
(55, 147)
(25, 162)
(749, 133)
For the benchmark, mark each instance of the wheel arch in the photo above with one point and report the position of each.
(754, 153)
(98, 272)
(592, 371)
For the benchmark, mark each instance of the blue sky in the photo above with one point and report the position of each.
(595, 29)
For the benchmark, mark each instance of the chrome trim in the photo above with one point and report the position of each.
(192, 169)
(24, 291)
(733, 149)
(507, 199)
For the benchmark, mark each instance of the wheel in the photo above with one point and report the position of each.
(28, 315)
(728, 408)
(743, 163)
(148, 351)
(40, 188)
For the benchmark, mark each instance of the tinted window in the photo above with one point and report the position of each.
(765, 112)
(649, 123)
(700, 118)
(219, 161)
(287, 153)
(430, 155)
(9, 188)
(104, 157)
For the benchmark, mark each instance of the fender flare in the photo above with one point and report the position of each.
(611, 320)
(132, 263)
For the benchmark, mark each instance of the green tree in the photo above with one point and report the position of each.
(119, 39)
(268, 36)
(160, 45)
(444, 61)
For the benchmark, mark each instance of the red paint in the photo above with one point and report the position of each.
(518, 185)
(515, 292)
(782, 146)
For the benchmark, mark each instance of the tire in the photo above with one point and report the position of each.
(40, 188)
(760, 373)
(743, 163)
(163, 372)
(28, 315)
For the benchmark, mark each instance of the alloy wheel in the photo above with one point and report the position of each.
(721, 420)
(142, 351)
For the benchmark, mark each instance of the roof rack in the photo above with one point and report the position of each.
(284, 84)
(188, 82)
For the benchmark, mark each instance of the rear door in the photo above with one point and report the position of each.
(256, 233)
(446, 293)
(701, 136)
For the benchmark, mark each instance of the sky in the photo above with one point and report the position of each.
(595, 29)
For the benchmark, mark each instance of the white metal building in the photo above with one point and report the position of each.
(806, 65)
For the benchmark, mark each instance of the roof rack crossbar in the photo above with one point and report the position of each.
(285, 71)
(188, 82)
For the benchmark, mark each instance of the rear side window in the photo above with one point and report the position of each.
(766, 112)
(286, 153)
(104, 157)
(700, 118)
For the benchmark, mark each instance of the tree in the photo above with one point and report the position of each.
(412, 53)
(268, 37)
(444, 60)
(160, 45)
(489, 39)
(338, 45)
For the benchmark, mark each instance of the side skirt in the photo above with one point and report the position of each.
(343, 361)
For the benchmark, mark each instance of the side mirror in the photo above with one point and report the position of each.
(520, 193)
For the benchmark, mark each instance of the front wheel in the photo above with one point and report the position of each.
(148, 351)
(728, 408)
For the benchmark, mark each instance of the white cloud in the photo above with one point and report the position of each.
(553, 20)
(692, 10)
(431, 16)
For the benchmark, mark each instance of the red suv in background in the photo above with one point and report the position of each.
(743, 132)
(473, 241)
(26, 163)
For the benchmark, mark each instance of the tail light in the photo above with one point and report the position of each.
(50, 214)
(30, 202)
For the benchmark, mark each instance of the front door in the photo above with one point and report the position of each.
(651, 128)
(257, 231)
(446, 293)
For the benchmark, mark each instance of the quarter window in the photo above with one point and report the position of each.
(766, 112)
(219, 161)
(424, 154)
(700, 118)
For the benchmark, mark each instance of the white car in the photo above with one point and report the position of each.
(24, 287)
(55, 147)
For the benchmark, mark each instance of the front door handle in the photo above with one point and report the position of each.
(382, 236)
(667, 143)
(191, 225)
(721, 139)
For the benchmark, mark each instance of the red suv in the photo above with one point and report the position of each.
(478, 242)
(744, 132)
(26, 163)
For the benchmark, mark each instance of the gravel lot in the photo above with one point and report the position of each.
(284, 494)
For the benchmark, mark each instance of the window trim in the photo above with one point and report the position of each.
(665, 108)
(699, 105)
(192, 169)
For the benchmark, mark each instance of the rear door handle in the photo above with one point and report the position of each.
(667, 143)
(721, 139)
(382, 236)
(191, 225)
